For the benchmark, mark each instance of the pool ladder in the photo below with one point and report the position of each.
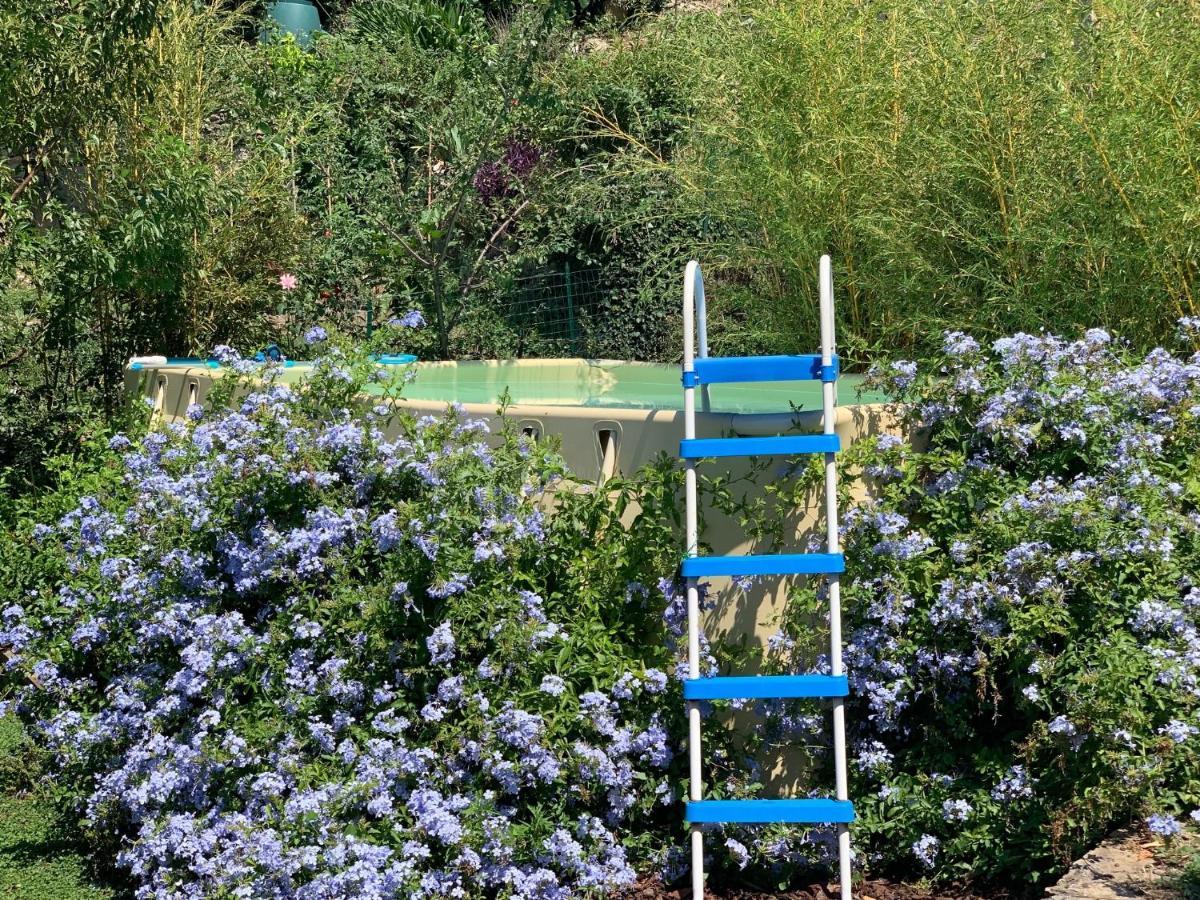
(699, 371)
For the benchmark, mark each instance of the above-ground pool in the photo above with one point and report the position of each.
(569, 382)
(610, 384)
(609, 418)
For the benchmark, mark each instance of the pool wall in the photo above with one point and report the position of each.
(600, 441)
(597, 442)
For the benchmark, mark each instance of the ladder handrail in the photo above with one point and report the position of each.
(695, 317)
(693, 305)
(695, 323)
(694, 311)
(829, 415)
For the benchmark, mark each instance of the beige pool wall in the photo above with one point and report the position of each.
(599, 442)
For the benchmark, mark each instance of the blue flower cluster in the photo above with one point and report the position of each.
(291, 649)
(1022, 605)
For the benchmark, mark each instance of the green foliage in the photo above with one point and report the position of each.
(997, 166)
(38, 856)
(450, 158)
(1189, 879)
(301, 623)
(39, 853)
(68, 76)
(450, 27)
(1022, 610)
(451, 180)
(619, 116)
(109, 209)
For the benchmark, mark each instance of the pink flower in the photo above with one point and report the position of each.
(287, 281)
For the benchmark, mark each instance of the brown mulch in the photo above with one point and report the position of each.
(867, 890)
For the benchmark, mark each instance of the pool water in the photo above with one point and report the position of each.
(626, 385)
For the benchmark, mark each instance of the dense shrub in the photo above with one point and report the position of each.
(463, 177)
(297, 648)
(995, 167)
(312, 649)
(122, 231)
(1023, 611)
(162, 170)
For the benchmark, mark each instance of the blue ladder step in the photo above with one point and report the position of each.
(764, 811)
(783, 445)
(765, 687)
(771, 564)
(731, 369)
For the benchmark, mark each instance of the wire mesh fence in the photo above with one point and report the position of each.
(559, 310)
(556, 312)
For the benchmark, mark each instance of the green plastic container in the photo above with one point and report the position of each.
(298, 18)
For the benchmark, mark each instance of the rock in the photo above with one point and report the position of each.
(1121, 867)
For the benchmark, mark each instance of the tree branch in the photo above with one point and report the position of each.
(395, 235)
(468, 282)
(496, 235)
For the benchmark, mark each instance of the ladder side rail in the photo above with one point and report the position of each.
(696, 279)
(693, 304)
(829, 415)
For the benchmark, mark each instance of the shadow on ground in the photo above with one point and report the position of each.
(40, 858)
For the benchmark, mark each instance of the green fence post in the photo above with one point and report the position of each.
(570, 306)
(370, 315)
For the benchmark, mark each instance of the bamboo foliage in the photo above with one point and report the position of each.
(991, 166)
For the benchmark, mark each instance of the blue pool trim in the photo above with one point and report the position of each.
(764, 811)
(386, 359)
(766, 687)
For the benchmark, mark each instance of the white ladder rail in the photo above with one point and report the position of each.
(833, 542)
(693, 304)
(695, 320)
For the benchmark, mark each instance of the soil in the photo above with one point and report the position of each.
(1130, 863)
(868, 890)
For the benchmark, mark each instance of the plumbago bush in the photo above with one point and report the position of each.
(1022, 609)
(304, 645)
(304, 648)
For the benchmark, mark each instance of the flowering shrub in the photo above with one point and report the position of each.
(1023, 606)
(500, 178)
(303, 649)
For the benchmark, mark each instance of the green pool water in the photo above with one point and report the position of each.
(621, 385)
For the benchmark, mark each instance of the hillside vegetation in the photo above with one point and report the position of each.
(534, 177)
